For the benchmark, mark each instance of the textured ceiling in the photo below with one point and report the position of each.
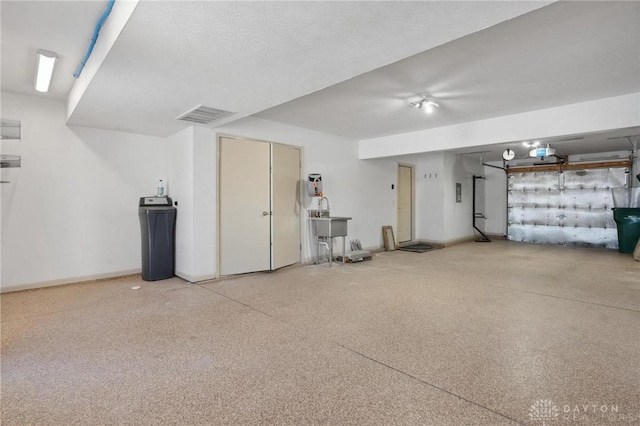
(332, 66)
(246, 57)
(564, 53)
(62, 27)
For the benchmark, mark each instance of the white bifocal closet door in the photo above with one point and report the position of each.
(245, 219)
(285, 161)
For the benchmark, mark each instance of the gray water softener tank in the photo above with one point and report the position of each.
(157, 225)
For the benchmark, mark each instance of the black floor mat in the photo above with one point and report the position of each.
(417, 248)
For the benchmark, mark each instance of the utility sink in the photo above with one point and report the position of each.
(327, 227)
(331, 226)
(318, 213)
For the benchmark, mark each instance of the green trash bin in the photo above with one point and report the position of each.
(628, 221)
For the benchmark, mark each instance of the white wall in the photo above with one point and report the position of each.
(362, 190)
(180, 189)
(439, 218)
(70, 212)
(192, 184)
(430, 189)
(458, 216)
(205, 191)
(359, 189)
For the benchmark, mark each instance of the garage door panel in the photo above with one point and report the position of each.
(529, 182)
(586, 199)
(578, 236)
(588, 219)
(597, 237)
(572, 207)
(536, 198)
(594, 178)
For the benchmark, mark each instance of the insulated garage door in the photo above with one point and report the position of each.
(570, 207)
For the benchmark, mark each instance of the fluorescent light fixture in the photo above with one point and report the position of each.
(45, 62)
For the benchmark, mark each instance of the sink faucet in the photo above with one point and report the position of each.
(320, 203)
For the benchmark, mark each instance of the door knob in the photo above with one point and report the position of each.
(265, 213)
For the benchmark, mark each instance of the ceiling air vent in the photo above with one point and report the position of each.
(204, 115)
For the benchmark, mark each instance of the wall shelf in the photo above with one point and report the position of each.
(8, 161)
(10, 129)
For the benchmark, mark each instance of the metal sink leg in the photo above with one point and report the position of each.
(327, 242)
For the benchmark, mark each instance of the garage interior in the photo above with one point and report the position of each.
(499, 133)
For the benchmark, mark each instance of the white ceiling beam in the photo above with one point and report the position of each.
(113, 26)
(586, 117)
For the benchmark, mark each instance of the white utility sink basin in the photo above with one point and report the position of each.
(327, 227)
(331, 226)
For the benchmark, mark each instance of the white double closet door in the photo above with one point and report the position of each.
(259, 210)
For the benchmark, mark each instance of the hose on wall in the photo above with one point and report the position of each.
(96, 32)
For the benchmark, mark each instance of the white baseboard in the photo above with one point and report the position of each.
(496, 236)
(449, 243)
(69, 280)
(195, 278)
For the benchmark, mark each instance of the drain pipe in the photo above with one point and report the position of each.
(94, 38)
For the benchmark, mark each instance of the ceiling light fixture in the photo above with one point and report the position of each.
(426, 104)
(531, 144)
(542, 152)
(45, 63)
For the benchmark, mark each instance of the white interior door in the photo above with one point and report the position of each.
(285, 234)
(245, 220)
(405, 203)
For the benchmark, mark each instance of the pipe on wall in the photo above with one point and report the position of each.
(96, 32)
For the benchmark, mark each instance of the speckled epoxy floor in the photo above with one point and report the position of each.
(471, 334)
